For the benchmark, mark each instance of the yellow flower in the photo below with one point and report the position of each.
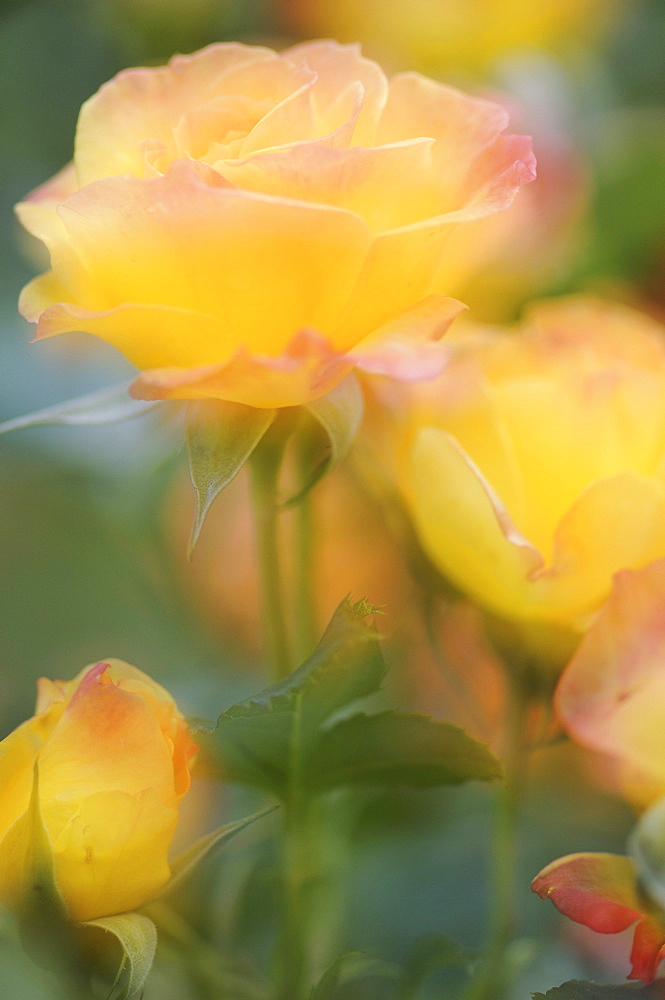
(534, 467)
(251, 226)
(112, 753)
(454, 35)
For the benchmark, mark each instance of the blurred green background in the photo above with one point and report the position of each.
(91, 520)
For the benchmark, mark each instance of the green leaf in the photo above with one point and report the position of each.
(577, 990)
(266, 740)
(434, 952)
(354, 965)
(220, 438)
(106, 406)
(137, 937)
(185, 864)
(391, 748)
(338, 414)
(646, 846)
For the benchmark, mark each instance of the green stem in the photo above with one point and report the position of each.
(303, 583)
(264, 466)
(493, 975)
(293, 952)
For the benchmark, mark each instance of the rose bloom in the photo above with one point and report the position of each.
(251, 226)
(611, 698)
(113, 755)
(451, 35)
(533, 467)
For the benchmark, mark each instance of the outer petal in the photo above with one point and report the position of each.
(409, 348)
(259, 268)
(617, 522)
(307, 369)
(457, 513)
(470, 153)
(600, 891)
(611, 696)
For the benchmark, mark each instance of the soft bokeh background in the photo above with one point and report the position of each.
(93, 522)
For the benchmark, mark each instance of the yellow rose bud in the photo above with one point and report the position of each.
(534, 467)
(113, 755)
(251, 226)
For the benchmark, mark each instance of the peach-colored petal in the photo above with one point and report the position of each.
(601, 891)
(409, 348)
(469, 147)
(307, 369)
(610, 695)
(337, 66)
(147, 104)
(598, 890)
(388, 186)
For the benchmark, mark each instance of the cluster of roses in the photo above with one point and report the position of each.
(258, 228)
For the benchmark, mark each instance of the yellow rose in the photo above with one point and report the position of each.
(455, 36)
(534, 467)
(251, 226)
(113, 754)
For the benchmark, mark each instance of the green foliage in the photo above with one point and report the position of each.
(434, 952)
(577, 990)
(108, 406)
(185, 864)
(221, 436)
(284, 738)
(354, 965)
(337, 415)
(391, 748)
(137, 936)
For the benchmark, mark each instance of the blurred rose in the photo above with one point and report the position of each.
(251, 226)
(533, 467)
(113, 755)
(611, 697)
(447, 34)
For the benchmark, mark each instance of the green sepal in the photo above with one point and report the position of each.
(266, 740)
(393, 748)
(578, 990)
(338, 415)
(186, 863)
(220, 436)
(27, 848)
(353, 965)
(107, 406)
(137, 936)
(646, 846)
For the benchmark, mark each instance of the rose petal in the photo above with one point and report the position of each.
(457, 512)
(258, 268)
(597, 890)
(336, 65)
(307, 369)
(140, 104)
(610, 695)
